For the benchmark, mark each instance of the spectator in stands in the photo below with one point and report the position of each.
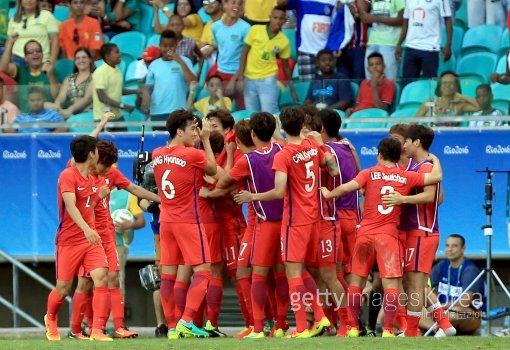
(30, 23)
(185, 46)
(229, 34)
(206, 43)
(449, 101)
(49, 5)
(8, 110)
(187, 11)
(38, 114)
(167, 79)
(108, 89)
(35, 74)
(486, 12)
(258, 11)
(97, 10)
(451, 277)
(142, 65)
(329, 89)
(313, 24)
(378, 91)
(386, 18)
(484, 98)
(75, 94)
(422, 33)
(80, 31)
(214, 101)
(121, 16)
(263, 45)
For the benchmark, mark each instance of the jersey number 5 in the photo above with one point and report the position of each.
(167, 186)
(309, 175)
(380, 207)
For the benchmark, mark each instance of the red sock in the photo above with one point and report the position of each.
(117, 301)
(100, 304)
(198, 320)
(259, 301)
(245, 285)
(213, 298)
(271, 301)
(180, 290)
(89, 312)
(247, 314)
(340, 276)
(297, 291)
(344, 321)
(413, 321)
(54, 303)
(311, 287)
(354, 295)
(439, 316)
(390, 307)
(79, 301)
(196, 294)
(282, 298)
(166, 294)
(401, 318)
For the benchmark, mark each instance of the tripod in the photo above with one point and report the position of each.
(487, 232)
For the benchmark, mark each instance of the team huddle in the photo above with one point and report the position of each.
(305, 232)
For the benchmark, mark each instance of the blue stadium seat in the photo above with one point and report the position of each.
(501, 66)
(240, 115)
(480, 64)
(500, 91)
(340, 113)
(146, 18)
(481, 39)
(63, 68)
(301, 90)
(204, 16)
(86, 117)
(61, 13)
(457, 36)
(355, 90)
(461, 18)
(502, 105)
(153, 40)
(291, 35)
(122, 66)
(135, 116)
(416, 92)
(11, 12)
(396, 99)
(450, 65)
(504, 43)
(469, 84)
(129, 78)
(367, 113)
(295, 72)
(130, 43)
(403, 113)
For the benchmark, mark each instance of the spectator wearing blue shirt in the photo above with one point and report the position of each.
(450, 279)
(38, 114)
(329, 90)
(168, 79)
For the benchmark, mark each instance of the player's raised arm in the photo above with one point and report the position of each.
(280, 186)
(328, 160)
(142, 193)
(205, 132)
(69, 199)
(99, 127)
(436, 175)
(394, 198)
(224, 186)
(341, 190)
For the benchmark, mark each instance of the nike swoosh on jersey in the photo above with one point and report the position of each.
(230, 263)
(325, 256)
(81, 188)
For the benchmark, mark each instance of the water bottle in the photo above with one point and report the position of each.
(506, 322)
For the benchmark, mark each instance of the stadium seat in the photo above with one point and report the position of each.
(63, 68)
(340, 113)
(130, 79)
(457, 36)
(203, 74)
(295, 72)
(502, 105)
(416, 92)
(501, 66)
(135, 116)
(468, 85)
(240, 115)
(203, 16)
(203, 94)
(355, 90)
(86, 117)
(500, 91)
(163, 19)
(450, 65)
(480, 64)
(11, 12)
(480, 39)
(130, 43)
(122, 66)
(291, 35)
(153, 40)
(61, 13)
(396, 99)
(146, 18)
(504, 43)
(461, 18)
(301, 90)
(367, 113)
(403, 113)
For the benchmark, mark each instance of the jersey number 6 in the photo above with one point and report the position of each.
(167, 186)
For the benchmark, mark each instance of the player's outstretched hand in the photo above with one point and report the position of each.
(204, 192)
(326, 193)
(243, 197)
(314, 135)
(392, 199)
(231, 147)
(205, 132)
(92, 236)
(104, 191)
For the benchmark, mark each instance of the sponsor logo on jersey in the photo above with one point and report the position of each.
(456, 150)
(490, 149)
(49, 154)
(14, 154)
(369, 151)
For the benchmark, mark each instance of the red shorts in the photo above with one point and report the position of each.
(213, 233)
(183, 244)
(300, 243)
(245, 247)
(232, 230)
(69, 258)
(110, 250)
(348, 221)
(382, 246)
(420, 253)
(402, 239)
(266, 243)
(329, 249)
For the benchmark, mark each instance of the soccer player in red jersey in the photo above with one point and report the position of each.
(183, 239)
(420, 222)
(296, 169)
(77, 242)
(377, 236)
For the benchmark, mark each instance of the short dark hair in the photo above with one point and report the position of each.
(313, 122)
(217, 141)
(31, 41)
(225, 118)
(106, 49)
(324, 52)
(422, 133)
(209, 78)
(375, 54)
(280, 8)
(400, 129)
(263, 125)
(331, 122)
(167, 34)
(462, 239)
(81, 146)
(485, 87)
(292, 120)
(390, 149)
(108, 154)
(178, 119)
(37, 90)
(243, 132)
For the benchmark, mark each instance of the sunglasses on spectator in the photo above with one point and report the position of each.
(208, 2)
(76, 37)
(31, 52)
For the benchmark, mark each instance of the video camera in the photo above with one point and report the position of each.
(143, 158)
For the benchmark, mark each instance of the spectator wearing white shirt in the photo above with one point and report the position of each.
(484, 98)
(422, 32)
(486, 12)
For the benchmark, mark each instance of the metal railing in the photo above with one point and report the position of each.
(14, 306)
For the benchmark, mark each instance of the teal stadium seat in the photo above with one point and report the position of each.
(61, 13)
(203, 74)
(415, 93)
(340, 113)
(146, 18)
(130, 80)
(479, 64)
(11, 12)
(291, 35)
(135, 116)
(122, 66)
(86, 117)
(355, 90)
(457, 36)
(301, 90)
(501, 95)
(481, 39)
(153, 40)
(502, 64)
(469, 84)
(450, 65)
(504, 43)
(461, 18)
(63, 68)
(367, 113)
(203, 16)
(403, 113)
(130, 44)
(240, 115)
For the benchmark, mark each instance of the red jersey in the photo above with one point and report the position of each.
(176, 169)
(104, 224)
(206, 210)
(70, 180)
(378, 181)
(301, 164)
